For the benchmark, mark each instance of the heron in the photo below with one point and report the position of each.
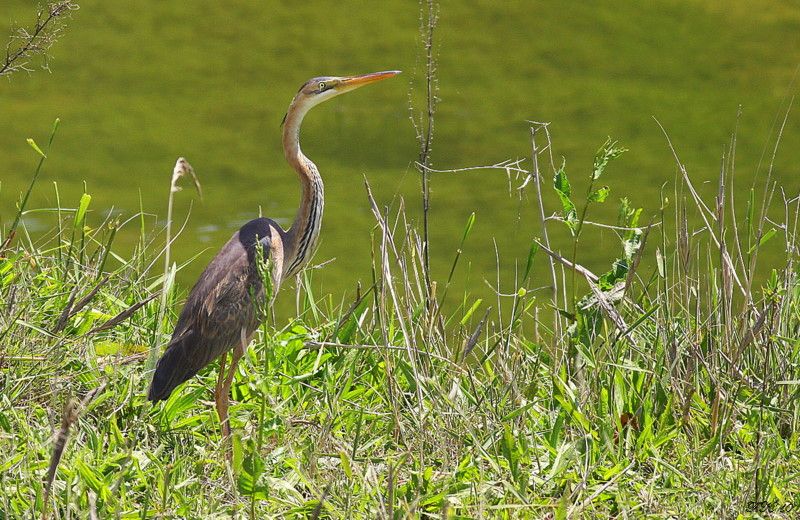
(226, 304)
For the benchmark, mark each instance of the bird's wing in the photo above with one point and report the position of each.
(222, 308)
(224, 298)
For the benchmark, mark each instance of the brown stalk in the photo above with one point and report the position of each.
(473, 338)
(122, 316)
(72, 410)
(71, 310)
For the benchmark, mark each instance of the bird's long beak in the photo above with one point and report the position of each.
(354, 82)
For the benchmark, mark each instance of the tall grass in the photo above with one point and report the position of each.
(669, 390)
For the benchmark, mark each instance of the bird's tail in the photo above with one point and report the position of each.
(172, 369)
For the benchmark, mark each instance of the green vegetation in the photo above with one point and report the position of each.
(670, 392)
(656, 376)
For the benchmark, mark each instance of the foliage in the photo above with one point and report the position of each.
(676, 396)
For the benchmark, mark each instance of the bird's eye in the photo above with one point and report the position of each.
(321, 86)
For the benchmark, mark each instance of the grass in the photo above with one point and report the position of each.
(669, 391)
(663, 386)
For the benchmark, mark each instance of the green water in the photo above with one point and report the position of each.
(135, 87)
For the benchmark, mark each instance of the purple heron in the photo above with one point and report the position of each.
(222, 310)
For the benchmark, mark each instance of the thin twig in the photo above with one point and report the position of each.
(36, 40)
(537, 178)
(508, 165)
(429, 17)
(576, 267)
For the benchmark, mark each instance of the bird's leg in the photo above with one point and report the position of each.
(236, 355)
(220, 398)
(225, 391)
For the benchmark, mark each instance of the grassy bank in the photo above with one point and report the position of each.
(667, 391)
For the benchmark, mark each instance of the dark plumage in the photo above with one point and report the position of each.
(221, 310)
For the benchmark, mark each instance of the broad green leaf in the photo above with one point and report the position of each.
(561, 182)
(250, 472)
(93, 479)
(610, 150)
(529, 264)
(80, 215)
(471, 310)
(563, 189)
(509, 450)
(347, 331)
(600, 194)
(35, 146)
(764, 239)
(468, 228)
(180, 402)
(618, 272)
(345, 460)
(631, 245)
(562, 510)
(565, 454)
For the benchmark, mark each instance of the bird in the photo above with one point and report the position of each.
(229, 300)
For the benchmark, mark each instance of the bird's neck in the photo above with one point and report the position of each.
(302, 236)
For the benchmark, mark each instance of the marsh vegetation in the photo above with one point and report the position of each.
(658, 377)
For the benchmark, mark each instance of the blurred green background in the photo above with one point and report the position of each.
(137, 84)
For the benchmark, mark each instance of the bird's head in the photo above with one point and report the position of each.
(316, 90)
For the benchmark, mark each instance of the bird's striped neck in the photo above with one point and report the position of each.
(304, 233)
